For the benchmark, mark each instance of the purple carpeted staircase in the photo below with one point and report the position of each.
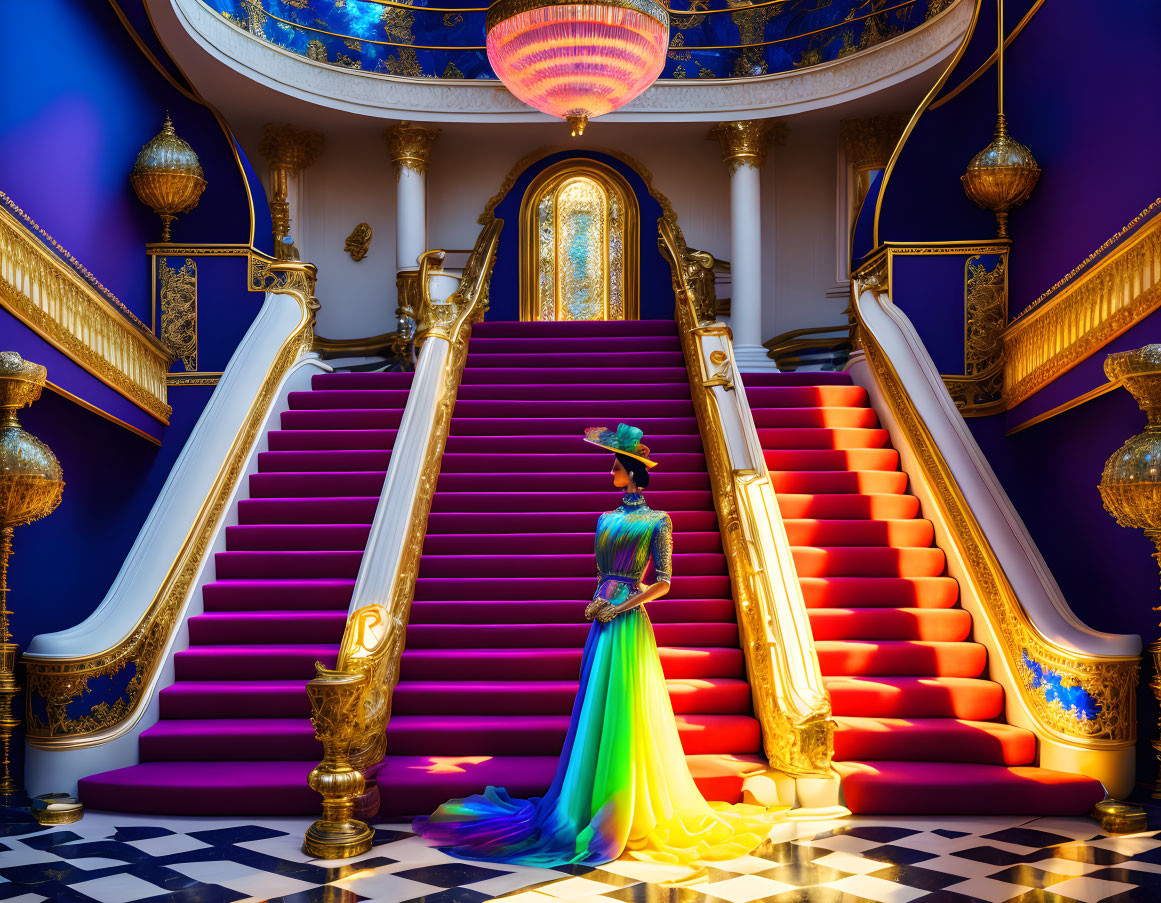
(496, 630)
(235, 735)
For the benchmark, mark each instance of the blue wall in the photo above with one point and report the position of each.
(80, 99)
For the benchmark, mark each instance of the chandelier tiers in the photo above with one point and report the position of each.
(577, 60)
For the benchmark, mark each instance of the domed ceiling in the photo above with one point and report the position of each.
(718, 39)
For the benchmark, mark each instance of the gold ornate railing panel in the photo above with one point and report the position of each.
(1101, 689)
(1086, 314)
(789, 698)
(55, 685)
(52, 299)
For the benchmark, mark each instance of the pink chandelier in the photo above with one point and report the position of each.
(577, 60)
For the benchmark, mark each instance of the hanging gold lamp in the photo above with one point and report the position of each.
(1003, 174)
(167, 176)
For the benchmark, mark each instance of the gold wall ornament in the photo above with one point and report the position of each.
(869, 143)
(1090, 309)
(179, 310)
(1003, 174)
(31, 484)
(979, 390)
(288, 151)
(744, 142)
(1109, 681)
(44, 293)
(167, 176)
(579, 238)
(358, 241)
(1130, 485)
(410, 146)
(58, 682)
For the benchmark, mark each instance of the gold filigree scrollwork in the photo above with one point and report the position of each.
(42, 291)
(1089, 311)
(1110, 681)
(796, 742)
(744, 142)
(410, 145)
(358, 241)
(178, 294)
(751, 22)
(55, 685)
(979, 391)
(288, 151)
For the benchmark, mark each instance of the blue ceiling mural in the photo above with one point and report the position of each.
(707, 38)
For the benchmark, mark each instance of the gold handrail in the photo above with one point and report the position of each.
(790, 703)
(59, 682)
(373, 640)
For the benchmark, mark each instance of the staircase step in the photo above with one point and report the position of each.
(303, 537)
(880, 592)
(800, 438)
(268, 595)
(811, 396)
(501, 735)
(566, 329)
(610, 344)
(667, 610)
(593, 412)
(573, 589)
(896, 533)
(310, 461)
(587, 460)
(798, 378)
(589, 480)
(940, 624)
(565, 360)
(361, 380)
(329, 440)
(663, 500)
(530, 443)
(557, 664)
(916, 697)
(568, 544)
(901, 657)
(848, 506)
(831, 459)
(964, 788)
(575, 391)
(548, 522)
(267, 662)
(832, 418)
(235, 699)
(556, 565)
(616, 375)
(334, 510)
(572, 428)
(314, 564)
(319, 484)
(533, 635)
(867, 561)
(342, 419)
(259, 628)
(828, 482)
(333, 399)
(932, 739)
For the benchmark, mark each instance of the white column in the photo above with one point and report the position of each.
(410, 218)
(289, 151)
(410, 147)
(744, 150)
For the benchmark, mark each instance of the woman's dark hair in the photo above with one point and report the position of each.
(638, 472)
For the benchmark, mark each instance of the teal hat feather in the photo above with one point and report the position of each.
(624, 440)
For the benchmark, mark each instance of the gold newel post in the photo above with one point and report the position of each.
(30, 488)
(1131, 482)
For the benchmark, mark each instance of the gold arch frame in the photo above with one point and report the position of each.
(610, 182)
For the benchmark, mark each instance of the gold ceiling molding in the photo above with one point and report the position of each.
(1089, 312)
(60, 682)
(52, 299)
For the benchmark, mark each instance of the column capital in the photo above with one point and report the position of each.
(871, 141)
(285, 146)
(410, 145)
(744, 142)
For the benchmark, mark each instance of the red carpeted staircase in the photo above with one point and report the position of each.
(234, 735)
(496, 630)
(919, 726)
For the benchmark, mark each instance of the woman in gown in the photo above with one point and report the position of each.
(622, 785)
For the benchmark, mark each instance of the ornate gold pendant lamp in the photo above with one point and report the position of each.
(167, 176)
(1131, 482)
(30, 488)
(1003, 174)
(577, 60)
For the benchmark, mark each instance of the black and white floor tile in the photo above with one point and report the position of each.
(112, 858)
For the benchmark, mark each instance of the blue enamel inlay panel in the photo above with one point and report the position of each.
(1073, 699)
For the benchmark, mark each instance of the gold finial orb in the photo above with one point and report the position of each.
(1001, 176)
(30, 475)
(167, 176)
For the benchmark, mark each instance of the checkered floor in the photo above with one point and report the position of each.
(111, 858)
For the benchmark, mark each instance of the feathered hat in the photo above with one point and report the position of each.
(624, 440)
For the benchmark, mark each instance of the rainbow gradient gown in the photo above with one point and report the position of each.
(622, 785)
